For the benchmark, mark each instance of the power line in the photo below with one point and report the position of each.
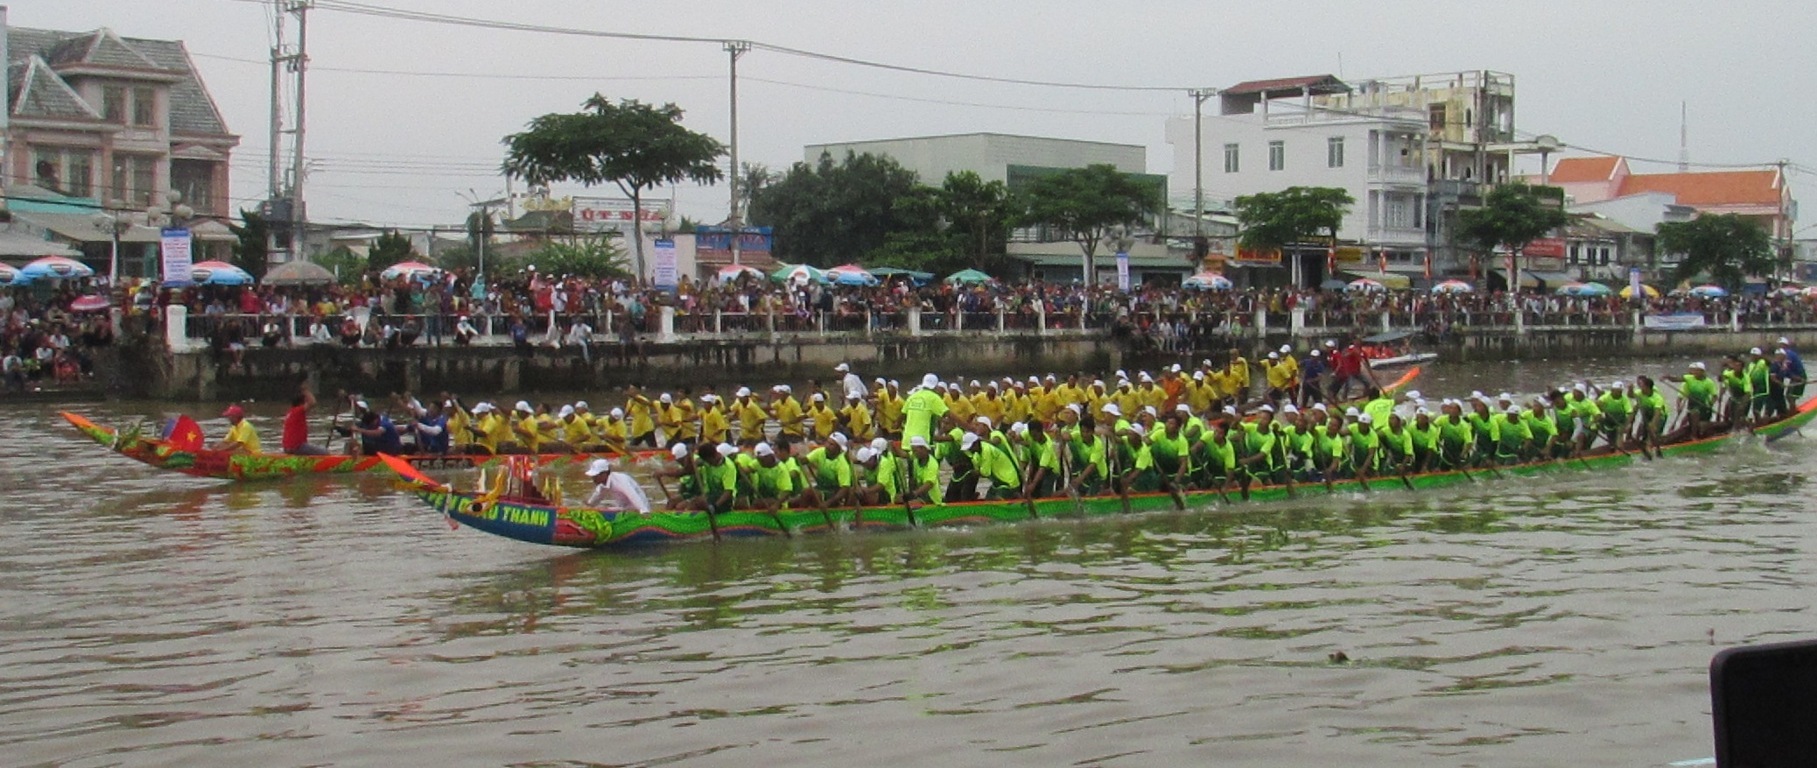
(364, 9)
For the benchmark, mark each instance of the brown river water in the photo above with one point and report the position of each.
(148, 618)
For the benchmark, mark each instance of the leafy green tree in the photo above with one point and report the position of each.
(1295, 215)
(591, 258)
(1512, 216)
(830, 213)
(634, 145)
(1084, 205)
(979, 212)
(457, 257)
(390, 248)
(1727, 247)
(347, 266)
(252, 238)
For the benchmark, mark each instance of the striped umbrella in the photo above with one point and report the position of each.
(1454, 286)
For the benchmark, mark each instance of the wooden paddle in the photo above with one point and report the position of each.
(907, 489)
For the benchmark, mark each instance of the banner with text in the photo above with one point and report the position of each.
(1123, 271)
(174, 244)
(598, 214)
(1248, 258)
(1678, 321)
(663, 272)
(714, 244)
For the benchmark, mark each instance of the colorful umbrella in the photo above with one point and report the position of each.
(850, 274)
(1650, 291)
(731, 272)
(1365, 285)
(8, 273)
(1811, 292)
(1584, 289)
(218, 273)
(1208, 281)
(298, 272)
(1709, 292)
(90, 303)
(799, 273)
(1454, 286)
(968, 277)
(54, 268)
(408, 269)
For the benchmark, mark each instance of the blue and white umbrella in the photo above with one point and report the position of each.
(1207, 281)
(218, 273)
(53, 268)
(850, 274)
(1709, 292)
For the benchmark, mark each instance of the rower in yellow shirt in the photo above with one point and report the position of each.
(576, 433)
(889, 411)
(750, 415)
(491, 431)
(824, 419)
(241, 437)
(715, 428)
(958, 406)
(988, 402)
(858, 422)
(613, 432)
(642, 415)
(787, 411)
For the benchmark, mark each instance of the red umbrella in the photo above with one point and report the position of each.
(90, 303)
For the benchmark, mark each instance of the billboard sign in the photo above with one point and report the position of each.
(597, 214)
(174, 245)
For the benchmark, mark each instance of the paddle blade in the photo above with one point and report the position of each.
(184, 434)
(404, 470)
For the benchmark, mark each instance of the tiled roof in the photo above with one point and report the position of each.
(1319, 84)
(192, 110)
(36, 91)
(1572, 170)
(1710, 188)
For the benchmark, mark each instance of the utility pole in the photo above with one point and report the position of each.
(1782, 227)
(298, 65)
(1199, 95)
(735, 221)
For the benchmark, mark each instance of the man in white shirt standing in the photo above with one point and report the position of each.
(615, 490)
(854, 386)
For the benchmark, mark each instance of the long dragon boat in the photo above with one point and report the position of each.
(224, 465)
(570, 526)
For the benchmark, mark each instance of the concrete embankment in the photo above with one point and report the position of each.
(723, 363)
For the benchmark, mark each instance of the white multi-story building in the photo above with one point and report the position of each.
(1264, 139)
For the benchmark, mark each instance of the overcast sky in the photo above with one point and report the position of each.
(397, 148)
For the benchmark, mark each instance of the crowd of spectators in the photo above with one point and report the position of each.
(45, 341)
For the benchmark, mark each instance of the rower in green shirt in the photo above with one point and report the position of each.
(1699, 403)
(993, 465)
(1172, 453)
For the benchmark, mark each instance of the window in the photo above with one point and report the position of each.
(64, 170)
(195, 179)
(113, 103)
(144, 107)
(1231, 159)
(1334, 152)
(134, 178)
(1277, 155)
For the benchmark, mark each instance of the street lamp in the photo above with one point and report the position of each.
(1546, 144)
(115, 221)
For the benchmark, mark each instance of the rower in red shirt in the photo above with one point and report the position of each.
(296, 425)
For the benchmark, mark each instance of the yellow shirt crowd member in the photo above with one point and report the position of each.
(245, 435)
(889, 411)
(989, 405)
(613, 431)
(959, 406)
(574, 430)
(1236, 376)
(1129, 400)
(492, 430)
(459, 427)
(642, 414)
(824, 419)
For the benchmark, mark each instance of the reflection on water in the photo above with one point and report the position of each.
(154, 619)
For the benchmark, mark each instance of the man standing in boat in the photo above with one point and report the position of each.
(615, 490)
(923, 409)
(296, 425)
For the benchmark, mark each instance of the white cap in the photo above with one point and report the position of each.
(679, 450)
(666, 398)
(838, 437)
(852, 396)
(1754, 351)
(895, 383)
(1513, 410)
(764, 449)
(1147, 379)
(1422, 412)
(580, 405)
(1137, 428)
(1352, 411)
(819, 398)
(1286, 349)
(1509, 396)
(1035, 381)
(1698, 367)
(361, 404)
(1183, 408)
(1121, 374)
(1122, 383)
(1289, 408)
(1331, 343)
(993, 385)
(1365, 419)
(1112, 409)
(709, 398)
(1198, 375)
(842, 368)
(1266, 408)
(742, 392)
(985, 420)
(880, 444)
(1274, 355)
(1413, 394)
(727, 449)
(483, 408)
(566, 411)
(1315, 353)
(879, 381)
(1578, 388)
(779, 388)
(525, 406)
(1230, 410)
(975, 384)
(863, 454)
(1150, 410)
(917, 442)
(599, 467)
(930, 381)
(617, 413)
(1206, 362)
(1018, 428)
(1784, 342)
(1618, 385)
(1076, 408)
(1316, 407)
(1476, 395)
(786, 389)
(967, 441)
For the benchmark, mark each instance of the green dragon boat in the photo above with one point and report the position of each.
(566, 526)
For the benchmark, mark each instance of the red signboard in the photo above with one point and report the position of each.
(1546, 247)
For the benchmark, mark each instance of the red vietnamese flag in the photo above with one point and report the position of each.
(184, 434)
(1428, 263)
